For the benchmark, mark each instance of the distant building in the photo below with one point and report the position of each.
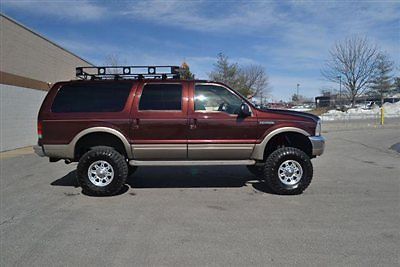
(325, 101)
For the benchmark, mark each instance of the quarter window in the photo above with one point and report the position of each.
(92, 97)
(214, 98)
(161, 97)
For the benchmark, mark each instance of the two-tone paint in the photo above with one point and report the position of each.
(173, 135)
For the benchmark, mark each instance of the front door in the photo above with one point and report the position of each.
(216, 130)
(159, 121)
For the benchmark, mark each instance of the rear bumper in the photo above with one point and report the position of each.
(39, 150)
(318, 145)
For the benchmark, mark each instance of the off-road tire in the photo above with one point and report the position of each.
(272, 166)
(111, 156)
(257, 170)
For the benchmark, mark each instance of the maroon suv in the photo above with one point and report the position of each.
(113, 123)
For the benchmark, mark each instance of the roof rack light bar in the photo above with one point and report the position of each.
(132, 72)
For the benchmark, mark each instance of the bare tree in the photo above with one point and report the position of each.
(113, 60)
(355, 61)
(382, 83)
(253, 81)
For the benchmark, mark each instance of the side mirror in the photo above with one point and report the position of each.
(244, 110)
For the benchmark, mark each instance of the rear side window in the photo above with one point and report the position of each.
(161, 97)
(95, 97)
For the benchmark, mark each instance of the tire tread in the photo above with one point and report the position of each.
(120, 171)
(271, 168)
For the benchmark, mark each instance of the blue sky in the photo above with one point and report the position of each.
(291, 39)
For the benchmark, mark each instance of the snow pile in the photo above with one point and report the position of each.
(301, 109)
(391, 110)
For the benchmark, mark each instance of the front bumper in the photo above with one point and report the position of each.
(39, 150)
(318, 145)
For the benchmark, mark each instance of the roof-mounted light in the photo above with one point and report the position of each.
(151, 70)
(127, 70)
(101, 71)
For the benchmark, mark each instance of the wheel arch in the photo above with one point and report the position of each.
(74, 144)
(260, 149)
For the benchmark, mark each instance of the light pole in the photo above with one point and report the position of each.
(340, 89)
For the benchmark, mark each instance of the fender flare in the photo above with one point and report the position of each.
(125, 142)
(258, 152)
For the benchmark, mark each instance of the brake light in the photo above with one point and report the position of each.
(39, 129)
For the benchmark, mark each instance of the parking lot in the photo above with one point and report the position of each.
(208, 215)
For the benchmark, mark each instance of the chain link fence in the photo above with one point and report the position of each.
(332, 122)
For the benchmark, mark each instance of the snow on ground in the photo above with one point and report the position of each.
(391, 110)
(301, 109)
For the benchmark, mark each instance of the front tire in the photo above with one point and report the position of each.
(102, 171)
(288, 171)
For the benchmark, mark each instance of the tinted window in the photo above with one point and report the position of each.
(213, 98)
(161, 97)
(92, 97)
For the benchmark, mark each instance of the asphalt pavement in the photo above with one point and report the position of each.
(214, 216)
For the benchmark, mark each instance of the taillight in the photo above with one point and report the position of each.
(39, 129)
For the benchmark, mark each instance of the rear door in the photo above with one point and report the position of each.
(159, 121)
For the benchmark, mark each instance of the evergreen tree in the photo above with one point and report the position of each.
(185, 72)
(225, 72)
(396, 85)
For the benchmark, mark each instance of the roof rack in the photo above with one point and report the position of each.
(128, 72)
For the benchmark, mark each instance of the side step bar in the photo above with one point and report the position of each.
(190, 162)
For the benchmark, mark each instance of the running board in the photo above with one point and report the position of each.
(190, 162)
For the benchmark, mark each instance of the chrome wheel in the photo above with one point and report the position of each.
(101, 173)
(290, 172)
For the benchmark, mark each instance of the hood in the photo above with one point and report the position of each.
(303, 115)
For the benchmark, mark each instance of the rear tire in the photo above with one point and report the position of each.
(102, 171)
(288, 171)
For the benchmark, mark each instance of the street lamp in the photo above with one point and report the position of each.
(340, 89)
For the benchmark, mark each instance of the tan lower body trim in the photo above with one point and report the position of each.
(159, 151)
(220, 151)
(190, 162)
(192, 151)
(58, 151)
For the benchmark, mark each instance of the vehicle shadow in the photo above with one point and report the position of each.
(183, 177)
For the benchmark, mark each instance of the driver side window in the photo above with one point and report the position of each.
(214, 98)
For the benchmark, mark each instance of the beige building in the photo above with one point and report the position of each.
(29, 65)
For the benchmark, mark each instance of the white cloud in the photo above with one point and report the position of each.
(74, 11)
(205, 16)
